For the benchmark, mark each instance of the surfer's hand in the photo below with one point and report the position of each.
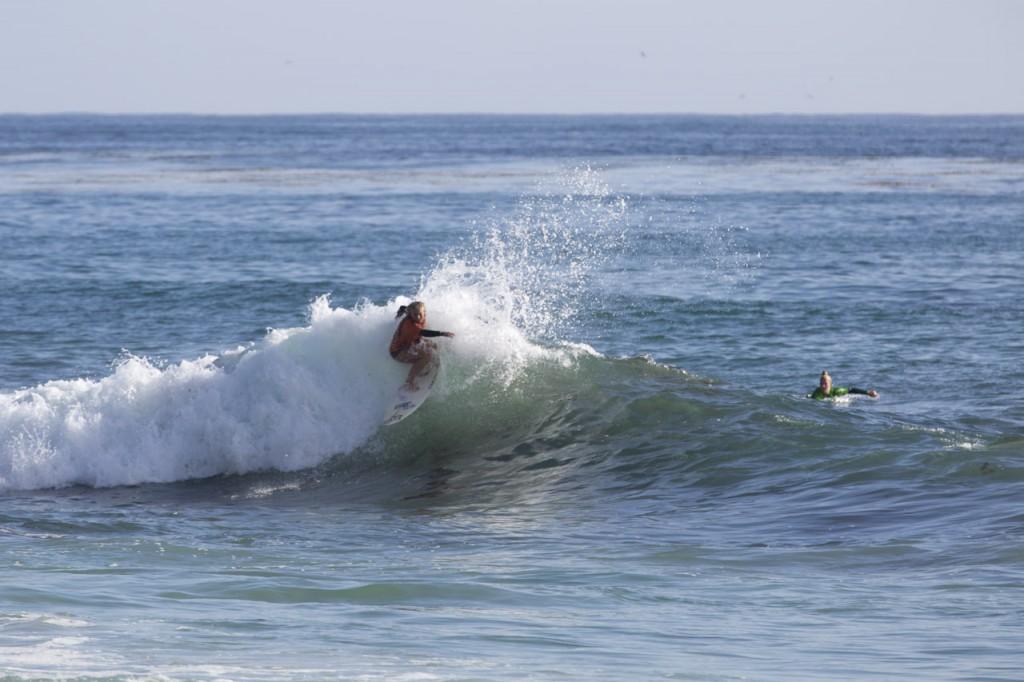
(873, 393)
(450, 335)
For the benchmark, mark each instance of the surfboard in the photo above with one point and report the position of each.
(408, 401)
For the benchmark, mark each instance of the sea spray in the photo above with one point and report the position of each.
(525, 278)
(532, 269)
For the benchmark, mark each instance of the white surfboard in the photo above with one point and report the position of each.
(408, 401)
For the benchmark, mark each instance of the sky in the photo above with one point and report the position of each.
(512, 56)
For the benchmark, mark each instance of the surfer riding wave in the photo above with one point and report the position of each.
(407, 344)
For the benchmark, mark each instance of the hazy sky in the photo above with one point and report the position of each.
(728, 56)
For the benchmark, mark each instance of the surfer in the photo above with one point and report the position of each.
(825, 389)
(406, 345)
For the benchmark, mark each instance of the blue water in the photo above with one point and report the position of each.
(618, 474)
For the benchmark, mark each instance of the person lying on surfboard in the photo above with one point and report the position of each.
(825, 389)
(406, 345)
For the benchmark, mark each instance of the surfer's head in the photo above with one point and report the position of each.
(826, 381)
(416, 311)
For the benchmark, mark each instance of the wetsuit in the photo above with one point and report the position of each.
(836, 392)
(408, 334)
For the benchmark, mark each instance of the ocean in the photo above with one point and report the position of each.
(618, 475)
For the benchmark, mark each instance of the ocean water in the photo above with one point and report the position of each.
(618, 474)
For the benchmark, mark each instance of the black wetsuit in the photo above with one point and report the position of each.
(836, 392)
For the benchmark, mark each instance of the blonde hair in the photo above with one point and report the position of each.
(407, 309)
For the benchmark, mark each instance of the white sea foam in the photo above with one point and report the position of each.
(60, 653)
(294, 399)
(57, 620)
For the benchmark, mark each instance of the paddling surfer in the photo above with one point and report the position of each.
(825, 389)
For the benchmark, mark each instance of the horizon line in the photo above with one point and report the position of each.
(269, 114)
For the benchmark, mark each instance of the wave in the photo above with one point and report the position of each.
(290, 401)
(508, 416)
(521, 398)
(300, 396)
